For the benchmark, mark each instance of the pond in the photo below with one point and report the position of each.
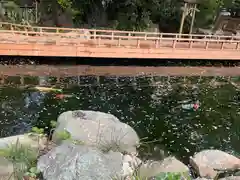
(158, 108)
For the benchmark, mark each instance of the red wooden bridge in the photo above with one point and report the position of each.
(21, 40)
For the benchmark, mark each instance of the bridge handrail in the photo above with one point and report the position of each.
(58, 30)
(38, 35)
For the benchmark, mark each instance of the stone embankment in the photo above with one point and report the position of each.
(94, 145)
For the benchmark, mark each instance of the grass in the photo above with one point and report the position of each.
(23, 158)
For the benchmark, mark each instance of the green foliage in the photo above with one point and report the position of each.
(38, 131)
(129, 14)
(64, 135)
(23, 157)
(171, 176)
(18, 153)
(65, 3)
(33, 172)
(53, 124)
(78, 142)
(162, 176)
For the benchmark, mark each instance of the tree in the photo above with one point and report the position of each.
(167, 14)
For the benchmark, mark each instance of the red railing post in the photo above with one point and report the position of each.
(119, 42)
(160, 39)
(190, 44)
(207, 44)
(174, 42)
(222, 45)
(112, 35)
(138, 43)
(237, 45)
(94, 34)
(157, 42)
(99, 39)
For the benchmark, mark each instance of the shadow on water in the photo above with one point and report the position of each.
(114, 61)
(159, 109)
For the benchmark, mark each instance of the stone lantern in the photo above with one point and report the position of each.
(190, 7)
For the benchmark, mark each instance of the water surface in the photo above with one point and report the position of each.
(153, 106)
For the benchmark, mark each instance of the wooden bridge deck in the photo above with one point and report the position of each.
(23, 40)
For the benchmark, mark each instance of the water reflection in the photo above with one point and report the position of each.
(155, 106)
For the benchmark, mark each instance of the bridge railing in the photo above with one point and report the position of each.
(113, 33)
(106, 40)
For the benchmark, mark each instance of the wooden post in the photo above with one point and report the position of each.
(174, 43)
(222, 45)
(207, 43)
(119, 42)
(36, 11)
(94, 34)
(237, 45)
(157, 43)
(145, 36)
(40, 30)
(183, 18)
(160, 39)
(112, 35)
(26, 31)
(193, 18)
(99, 39)
(138, 43)
(190, 44)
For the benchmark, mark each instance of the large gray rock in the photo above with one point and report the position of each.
(168, 165)
(208, 161)
(73, 162)
(97, 129)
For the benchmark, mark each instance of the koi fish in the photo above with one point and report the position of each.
(194, 106)
(62, 96)
(47, 89)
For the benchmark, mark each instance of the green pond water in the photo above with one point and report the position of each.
(156, 107)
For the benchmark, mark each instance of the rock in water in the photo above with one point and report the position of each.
(154, 169)
(74, 162)
(97, 129)
(208, 161)
(231, 178)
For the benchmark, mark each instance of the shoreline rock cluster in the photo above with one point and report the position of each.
(100, 146)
